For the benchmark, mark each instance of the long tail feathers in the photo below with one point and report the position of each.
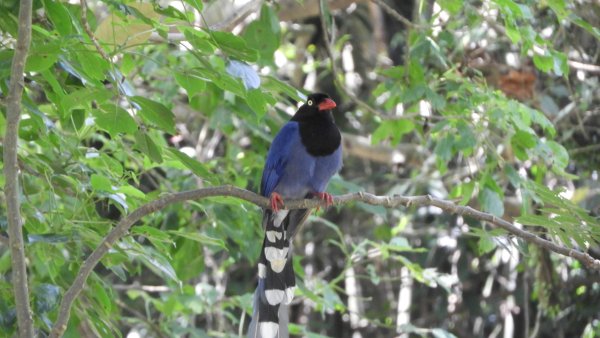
(276, 278)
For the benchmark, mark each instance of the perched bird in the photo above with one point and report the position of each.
(303, 157)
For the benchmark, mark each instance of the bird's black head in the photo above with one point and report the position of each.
(321, 101)
(315, 103)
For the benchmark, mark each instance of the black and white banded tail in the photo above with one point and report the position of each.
(276, 278)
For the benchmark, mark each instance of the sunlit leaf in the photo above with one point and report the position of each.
(114, 119)
(235, 46)
(491, 202)
(59, 15)
(156, 113)
(145, 144)
(196, 167)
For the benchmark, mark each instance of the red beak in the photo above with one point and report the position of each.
(327, 104)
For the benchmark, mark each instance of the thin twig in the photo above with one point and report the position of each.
(88, 30)
(395, 14)
(394, 201)
(585, 149)
(146, 288)
(11, 172)
(586, 67)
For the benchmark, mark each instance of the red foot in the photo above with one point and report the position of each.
(276, 200)
(323, 196)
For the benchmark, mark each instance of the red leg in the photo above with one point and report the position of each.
(323, 196)
(276, 200)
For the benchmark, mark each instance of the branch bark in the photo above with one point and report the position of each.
(394, 201)
(11, 172)
(88, 30)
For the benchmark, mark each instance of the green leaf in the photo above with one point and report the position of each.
(235, 46)
(539, 220)
(200, 238)
(452, 6)
(393, 129)
(155, 260)
(491, 202)
(275, 85)
(560, 64)
(146, 145)
(101, 296)
(264, 33)
(42, 57)
(512, 31)
(521, 141)
(196, 167)
(93, 65)
(222, 80)
(83, 98)
(193, 84)
(149, 231)
(114, 119)
(485, 245)
(59, 15)
(131, 191)
(200, 40)
(560, 156)
(156, 113)
(416, 72)
(559, 7)
(197, 4)
(465, 190)
(101, 183)
(256, 101)
(127, 30)
(543, 62)
(593, 30)
(466, 140)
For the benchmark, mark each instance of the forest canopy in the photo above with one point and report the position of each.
(134, 134)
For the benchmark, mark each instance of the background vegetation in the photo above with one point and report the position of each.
(490, 104)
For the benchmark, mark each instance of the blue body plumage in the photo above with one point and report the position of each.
(303, 157)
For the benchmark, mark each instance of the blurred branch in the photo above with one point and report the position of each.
(586, 149)
(584, 66)
(88, 30)
(139, 287)
(393, 13)
(11, 172)
(394, 201)
(225, 15)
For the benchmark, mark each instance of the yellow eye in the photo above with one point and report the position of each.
(309, 102)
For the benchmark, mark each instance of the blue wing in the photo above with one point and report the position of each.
(278, 156)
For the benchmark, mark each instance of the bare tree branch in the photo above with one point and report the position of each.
(88, 30)
(11, 172)
(394, 201)
(392, 12)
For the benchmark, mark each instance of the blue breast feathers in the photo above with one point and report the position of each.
(291, 171)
